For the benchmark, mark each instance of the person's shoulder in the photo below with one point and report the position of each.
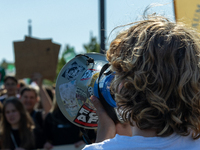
(135, 142)
(38, 115)
(101, 145)
(49, 117)
(93, 146)
(187, 141)
(116, 143)
(3, 97)
(38, 112)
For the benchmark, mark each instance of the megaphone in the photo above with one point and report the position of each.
(85, 75)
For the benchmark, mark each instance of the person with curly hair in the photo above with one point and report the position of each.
(156, 87)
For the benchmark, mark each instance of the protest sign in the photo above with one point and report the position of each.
(34, 55)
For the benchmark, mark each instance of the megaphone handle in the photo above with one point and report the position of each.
(85, 136)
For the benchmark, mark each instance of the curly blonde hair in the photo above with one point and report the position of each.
(157, 62)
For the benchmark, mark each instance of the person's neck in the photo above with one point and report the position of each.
(145, 133)
(15, 126)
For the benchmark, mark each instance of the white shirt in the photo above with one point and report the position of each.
(172, 142)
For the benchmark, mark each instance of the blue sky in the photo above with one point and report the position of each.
(67, 21)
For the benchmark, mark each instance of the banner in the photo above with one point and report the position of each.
(34, 55)
(188, 12)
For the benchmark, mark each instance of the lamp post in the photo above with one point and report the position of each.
(102, 25)
(29, 28)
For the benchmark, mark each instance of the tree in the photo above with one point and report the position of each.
(92, 46)
(67, 55)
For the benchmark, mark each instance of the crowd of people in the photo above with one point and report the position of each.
(156, 88)
(31, 119)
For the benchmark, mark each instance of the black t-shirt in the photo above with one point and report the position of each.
(60, 131)
(39, 128)
(15, 139)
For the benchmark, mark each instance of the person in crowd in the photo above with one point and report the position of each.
(44, 97)
(17, 126)
(1, 108)
(50, 93)
(1, 114)
(2, 91)
(156, 88)
(10, 85)
(29, 97)
(20, 85)
(60, 131)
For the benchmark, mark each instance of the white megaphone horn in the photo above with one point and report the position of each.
(81, 77)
